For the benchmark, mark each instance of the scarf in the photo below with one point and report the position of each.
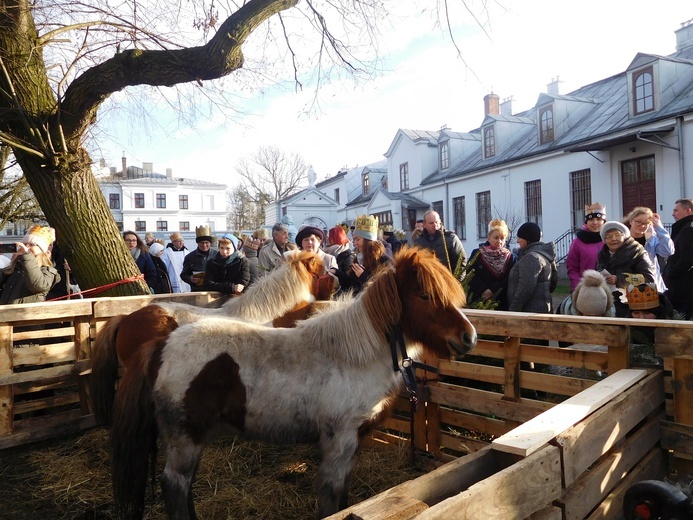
(135, 252)
(231, 258)
(495, 260)
(589, 237)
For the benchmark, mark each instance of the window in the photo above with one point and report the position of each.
(546, 125)
(445, 155)
(161, 200)
(384, 218)
(489, 143)
(161, 225)
(437, 206)
(460, 221)
(140, 225)
(483, 213)
(533, 202)
(366, 183)
(383, 182)
(184, 226)
(404, 176)
(580, 196)
(182, 201)
(643, 91)
(114, 200)
(336, 195)
(139, 200)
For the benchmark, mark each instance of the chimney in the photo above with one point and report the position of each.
(506, 107)
(684, 36)
(147, 167)
(125, 166)
(169, 173)
(491, 104)
(113, 171)
(552, 88)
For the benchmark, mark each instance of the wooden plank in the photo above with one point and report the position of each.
(437, 485)
(487, 403)
(44, 354)
(532, 435)
(36, 375)
(677, 437)
(108, 307)
(513, 493)
(43, 333)
(594, 485)
(653, 466)
(674, 341)
(32, 430)
(463, 444)
(548, 513)
(594, 436)
(568, 357)
(555, 384)
(580, 329)
(24, 313)
(476, 371)
(6, 369)
(46, 402)
(512, 368)
(474, 422)
(682, 384)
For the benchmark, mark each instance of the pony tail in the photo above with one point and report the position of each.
(104, 371)
(134, 434)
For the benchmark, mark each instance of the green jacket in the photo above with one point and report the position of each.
(27, 282)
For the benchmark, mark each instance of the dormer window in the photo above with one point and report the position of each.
(366, 183)
(643, 91)
(546, 125)
(445, 155)
(489, 142)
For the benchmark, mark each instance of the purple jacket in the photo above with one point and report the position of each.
(582, 255)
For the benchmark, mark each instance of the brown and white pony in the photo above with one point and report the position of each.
(329, 380)
(290, 287)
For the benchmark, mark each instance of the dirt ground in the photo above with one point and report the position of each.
(69, 478)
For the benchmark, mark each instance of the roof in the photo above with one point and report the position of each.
(605, 123)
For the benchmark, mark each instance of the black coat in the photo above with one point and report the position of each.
(224, 278)
(631, 257)
(193, 263)
(678, 272)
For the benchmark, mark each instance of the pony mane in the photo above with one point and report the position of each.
(277, 292)
(354, 331)
(433, 278)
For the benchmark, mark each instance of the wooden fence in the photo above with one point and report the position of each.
(515, 377)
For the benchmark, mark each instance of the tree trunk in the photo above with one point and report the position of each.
(58, 170)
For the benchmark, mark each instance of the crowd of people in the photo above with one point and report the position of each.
(626, 268)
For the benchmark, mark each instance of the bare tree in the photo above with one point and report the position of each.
(62, 62)
(243, 211)
(271, 174)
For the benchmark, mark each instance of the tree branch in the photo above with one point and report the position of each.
(218, 58)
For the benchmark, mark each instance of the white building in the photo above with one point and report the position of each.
(143, 201)
(621, 141)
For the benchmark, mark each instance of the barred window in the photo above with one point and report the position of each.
(483, 213)
(460, 221)
(533, 202)
(580, 196)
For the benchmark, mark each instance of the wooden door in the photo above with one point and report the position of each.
(638, 183)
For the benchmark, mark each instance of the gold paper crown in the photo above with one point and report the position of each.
(203, 231)
(643, 297)
(366, 227)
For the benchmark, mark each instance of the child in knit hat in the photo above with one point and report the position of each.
(591, 297)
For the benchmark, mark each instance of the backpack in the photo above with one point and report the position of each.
(163, 282)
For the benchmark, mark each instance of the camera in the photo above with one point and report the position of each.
(8, 248)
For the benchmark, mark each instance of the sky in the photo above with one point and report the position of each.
(524, 45)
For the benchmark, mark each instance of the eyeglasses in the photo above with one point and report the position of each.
(641, 223)
(614, 235)
(130, 239)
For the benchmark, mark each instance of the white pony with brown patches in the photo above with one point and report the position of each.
(329, 380)
(293, 286)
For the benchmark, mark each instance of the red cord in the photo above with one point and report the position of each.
(100, 289)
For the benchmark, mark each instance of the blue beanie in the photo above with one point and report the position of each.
(232, 238)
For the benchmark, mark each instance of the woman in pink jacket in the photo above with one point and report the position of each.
(587, 244)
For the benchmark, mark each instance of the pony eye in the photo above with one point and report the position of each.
(425, 297)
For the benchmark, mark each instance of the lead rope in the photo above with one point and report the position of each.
(407, 368)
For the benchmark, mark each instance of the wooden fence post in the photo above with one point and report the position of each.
(6, 397)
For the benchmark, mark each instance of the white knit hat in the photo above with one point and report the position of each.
(39, 236)
(613, 224)
(592, 296)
